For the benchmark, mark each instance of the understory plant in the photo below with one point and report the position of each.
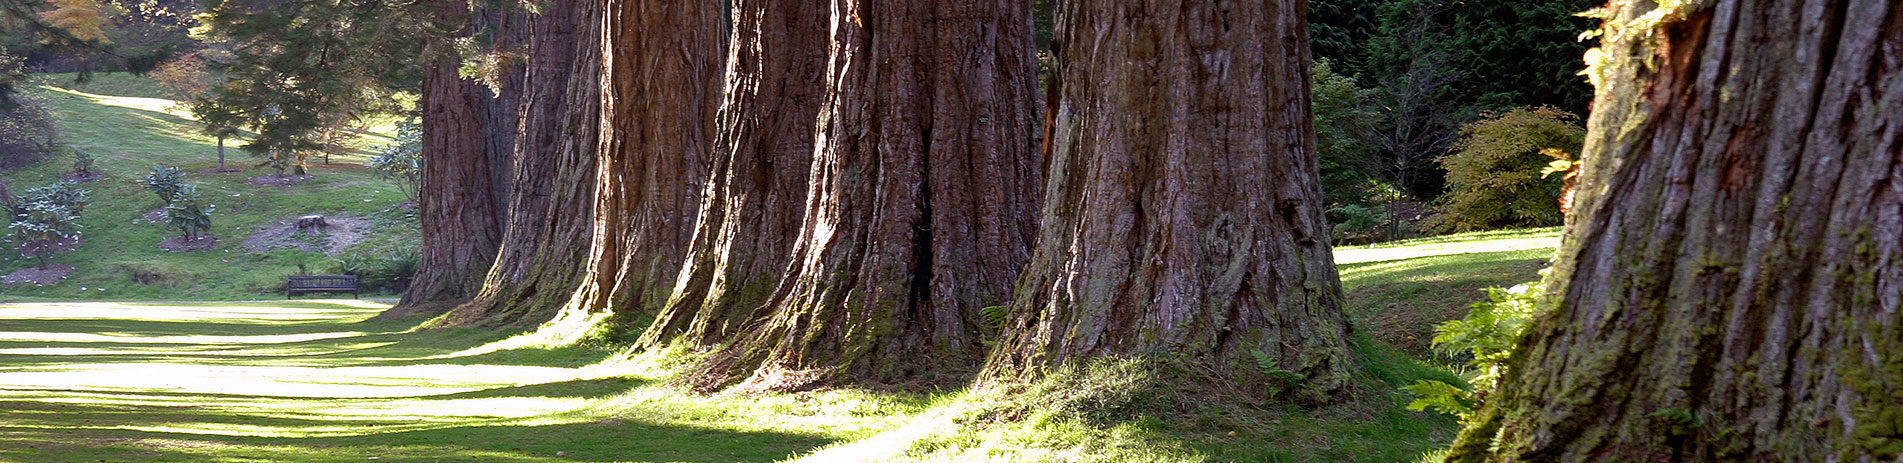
(164, 182)
(402, 162)
(82, 163)
(44, 217)
(1486, 338)
(378, 269)
(188, 212)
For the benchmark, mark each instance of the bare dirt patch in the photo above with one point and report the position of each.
(183, 244)
(41, 248)
(77, 177)
(278, 180)
(39, 276)
(156, 216)
(340, 233)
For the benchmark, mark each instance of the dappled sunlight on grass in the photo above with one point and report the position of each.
(323, 381)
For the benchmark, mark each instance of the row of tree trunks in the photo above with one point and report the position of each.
(1183, 212)
(551, 208)
(756, 192)
(458, 210)
(1730, 286)
(660, 86)
(920, 204)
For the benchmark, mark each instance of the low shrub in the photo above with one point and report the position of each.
(164, 182)
(82, 162)
(378, 271)
(1357, 224)
(188, 212)
(1495, 178)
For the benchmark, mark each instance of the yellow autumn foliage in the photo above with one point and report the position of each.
(82, 19)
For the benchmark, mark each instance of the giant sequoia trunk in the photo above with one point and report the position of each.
(1730, 286)
(551, 210)
(756, 194)
(660, 86)
(921, 202)
(461, 228)
(1183, 211)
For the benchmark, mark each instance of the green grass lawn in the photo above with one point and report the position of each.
(120, 258)
(321, 381)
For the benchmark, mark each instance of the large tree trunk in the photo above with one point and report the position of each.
(660, 87)
(461, 228)
(921, 204)
(551, 210)
(1183, 212)
(763, 151)
(1730, 286)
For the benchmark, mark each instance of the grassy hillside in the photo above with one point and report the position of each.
(119, 258)
(320, 381)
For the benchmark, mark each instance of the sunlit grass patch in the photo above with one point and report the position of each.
(1462, 243)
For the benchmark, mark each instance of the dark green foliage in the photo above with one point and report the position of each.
(188, 212)
(1495, 176)
(301, 66)
(1512, 53)
(1342, 120)
(378, 269)
(1357, 223)
(164, 182)
(1522, 53)
(82, 162)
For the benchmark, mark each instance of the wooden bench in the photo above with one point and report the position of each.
(306, 284)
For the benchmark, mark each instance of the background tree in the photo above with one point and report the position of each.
(295, 68)
(756, 195)
(1730, 281)
(1183, 210)
(27, 130)
(920, 208)
(188, 78)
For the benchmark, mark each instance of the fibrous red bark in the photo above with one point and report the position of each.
(921, 202)
(551, 211)
(1730, 284)
(660, 87)
(458, 213)
(763, 148)
(1183, 210)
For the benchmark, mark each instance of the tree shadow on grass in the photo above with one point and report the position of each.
(232, 389)
(602, 441)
